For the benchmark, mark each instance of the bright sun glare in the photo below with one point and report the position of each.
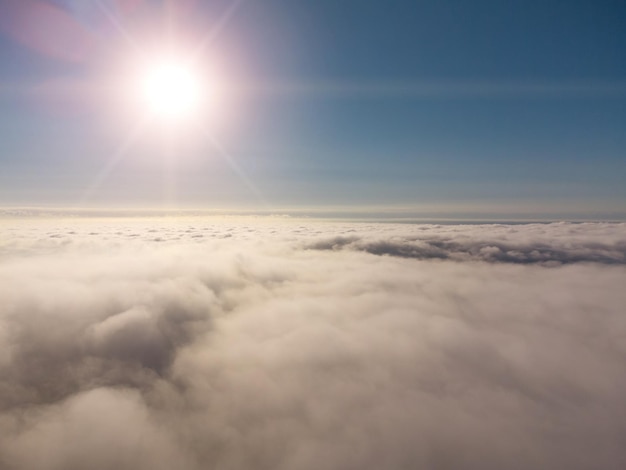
(172, 91)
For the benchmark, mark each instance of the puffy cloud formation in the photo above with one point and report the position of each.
(276, 344)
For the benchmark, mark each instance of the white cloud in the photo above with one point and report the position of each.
(286, 344)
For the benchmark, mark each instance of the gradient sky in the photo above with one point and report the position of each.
(414, 107)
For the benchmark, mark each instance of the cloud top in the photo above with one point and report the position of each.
(293, 345)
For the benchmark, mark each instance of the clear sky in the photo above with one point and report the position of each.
(418, 107)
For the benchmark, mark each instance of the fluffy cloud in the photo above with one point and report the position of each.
(272, 344)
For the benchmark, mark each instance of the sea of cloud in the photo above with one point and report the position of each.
(269, 343)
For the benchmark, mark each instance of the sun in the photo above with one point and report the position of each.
(171, 90)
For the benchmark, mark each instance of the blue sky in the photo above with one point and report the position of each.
(411, 107)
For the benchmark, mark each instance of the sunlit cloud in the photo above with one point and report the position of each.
(276, 343)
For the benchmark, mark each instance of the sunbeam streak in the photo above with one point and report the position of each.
(225, 155)
(217, 28)
(118, 25)
(121, 151)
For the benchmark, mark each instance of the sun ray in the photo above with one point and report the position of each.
(171, 91)
(115, 22)
(215, 31)
(225, 155)
(113, 160)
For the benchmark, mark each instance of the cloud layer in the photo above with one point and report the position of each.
(271, 344)
(547, 244)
